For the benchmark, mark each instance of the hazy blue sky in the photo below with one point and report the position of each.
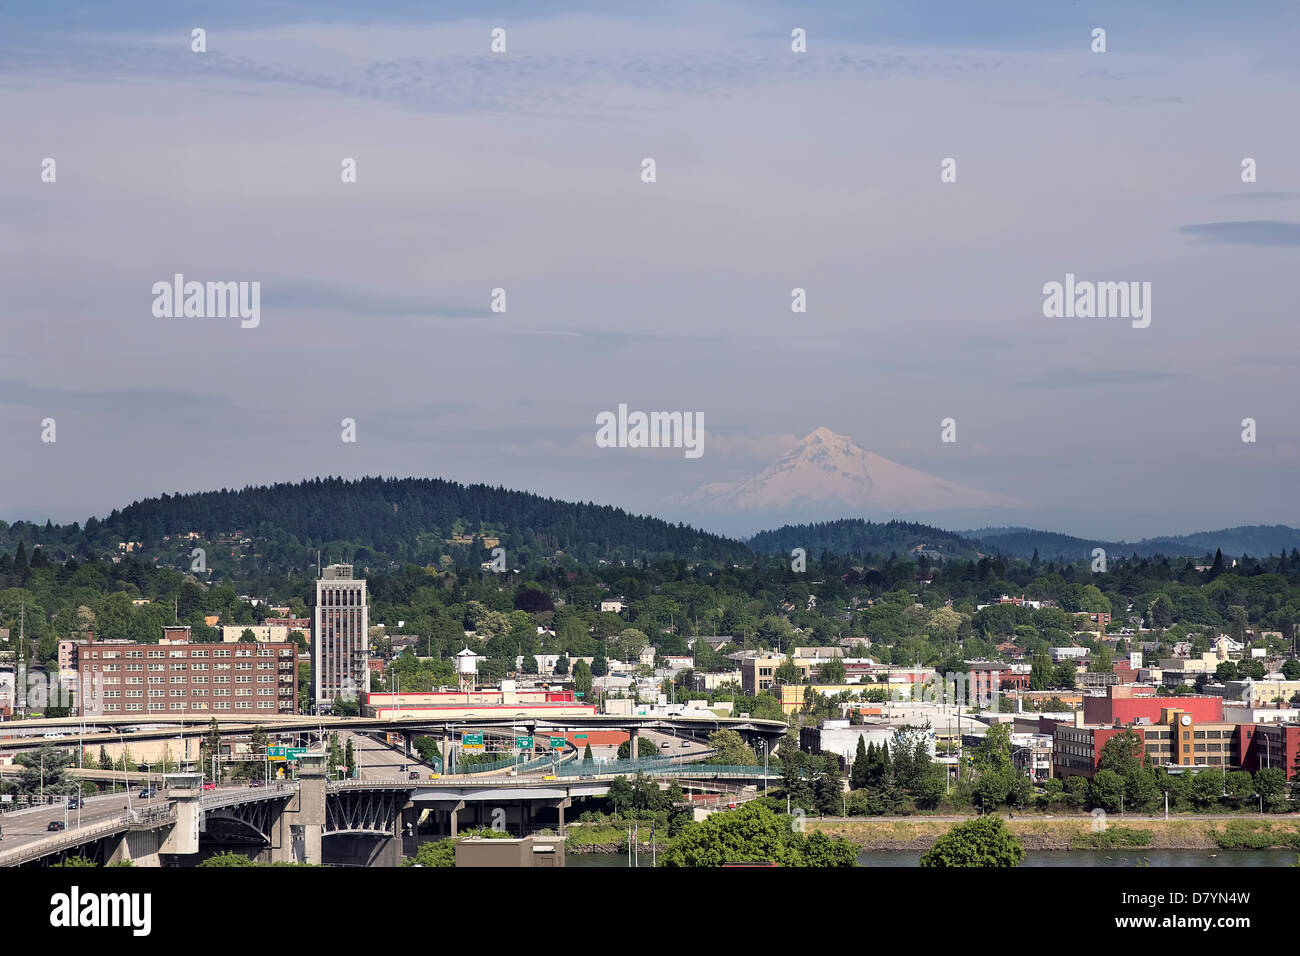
(775, 170)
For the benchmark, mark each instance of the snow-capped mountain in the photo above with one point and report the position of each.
(826, 469)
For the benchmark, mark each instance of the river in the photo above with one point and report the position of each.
(1130, 857)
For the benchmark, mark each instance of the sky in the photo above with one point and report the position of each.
(775, 170)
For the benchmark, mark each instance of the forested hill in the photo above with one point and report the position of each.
(855, 536)
(403, 519)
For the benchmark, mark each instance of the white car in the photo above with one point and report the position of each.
(53, 736)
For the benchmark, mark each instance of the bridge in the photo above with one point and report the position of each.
(445, 727)
(364, 820)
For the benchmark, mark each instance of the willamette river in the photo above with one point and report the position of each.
(1037, 858)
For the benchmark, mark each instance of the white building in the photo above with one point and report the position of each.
(340, 664)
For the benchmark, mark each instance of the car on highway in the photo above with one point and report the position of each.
(665, 745)
(413, 775)
(74, 803)
(209, 786)
(53, 736)
(686, 743)
(255, 783)
(147, 793)
(54, 825)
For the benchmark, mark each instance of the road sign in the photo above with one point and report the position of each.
(557, 743)
(295, 752)
(524, 743)
(579, 736)
(277, 753)
(471, 741)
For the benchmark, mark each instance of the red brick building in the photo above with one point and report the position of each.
(182, 678)
(1126, 705)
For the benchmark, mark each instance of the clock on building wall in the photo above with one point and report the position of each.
(1187, 720)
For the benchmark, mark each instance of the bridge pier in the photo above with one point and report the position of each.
(452, 815)
(139, 846)
(302, 821)
(632, 742)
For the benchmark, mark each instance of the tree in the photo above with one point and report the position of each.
(1124, 753)
(349, 758)
(788, 672)
(582, 679)
(858, 776)
(1161, 612)
(754, 834)
(984, 842)
(247, 636)
(440, 853)
(1270, 783)
(832, 672)
(620, 793)
(1064, 674)
(731, 750)
(44, 771)
(1106, 790)
(209, 749)
(586, 754)
(1040, 672)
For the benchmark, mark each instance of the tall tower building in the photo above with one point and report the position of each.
(340, 664)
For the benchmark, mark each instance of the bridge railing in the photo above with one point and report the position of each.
(66, 840)
(659, 767)
(224, 798)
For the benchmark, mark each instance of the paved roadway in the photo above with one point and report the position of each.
(378, 761)
(27, 826)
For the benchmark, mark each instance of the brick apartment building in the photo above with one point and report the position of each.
(121, 679)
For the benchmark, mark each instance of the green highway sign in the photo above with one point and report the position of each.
(277, 753)
(296, 752)
(557, 743)
(471, 741)
(579, 736)
(524, 743)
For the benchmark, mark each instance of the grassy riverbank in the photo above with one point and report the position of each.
(1076, 833)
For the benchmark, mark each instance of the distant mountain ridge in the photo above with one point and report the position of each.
(859, 536)
(422, 519)
(1254, 540)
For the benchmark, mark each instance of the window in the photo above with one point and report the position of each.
(198, 654)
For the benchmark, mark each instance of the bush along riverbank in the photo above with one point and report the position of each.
(596, 838)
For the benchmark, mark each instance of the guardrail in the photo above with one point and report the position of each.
(225, 798)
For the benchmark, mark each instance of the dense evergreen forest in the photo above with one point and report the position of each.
(397, 519)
